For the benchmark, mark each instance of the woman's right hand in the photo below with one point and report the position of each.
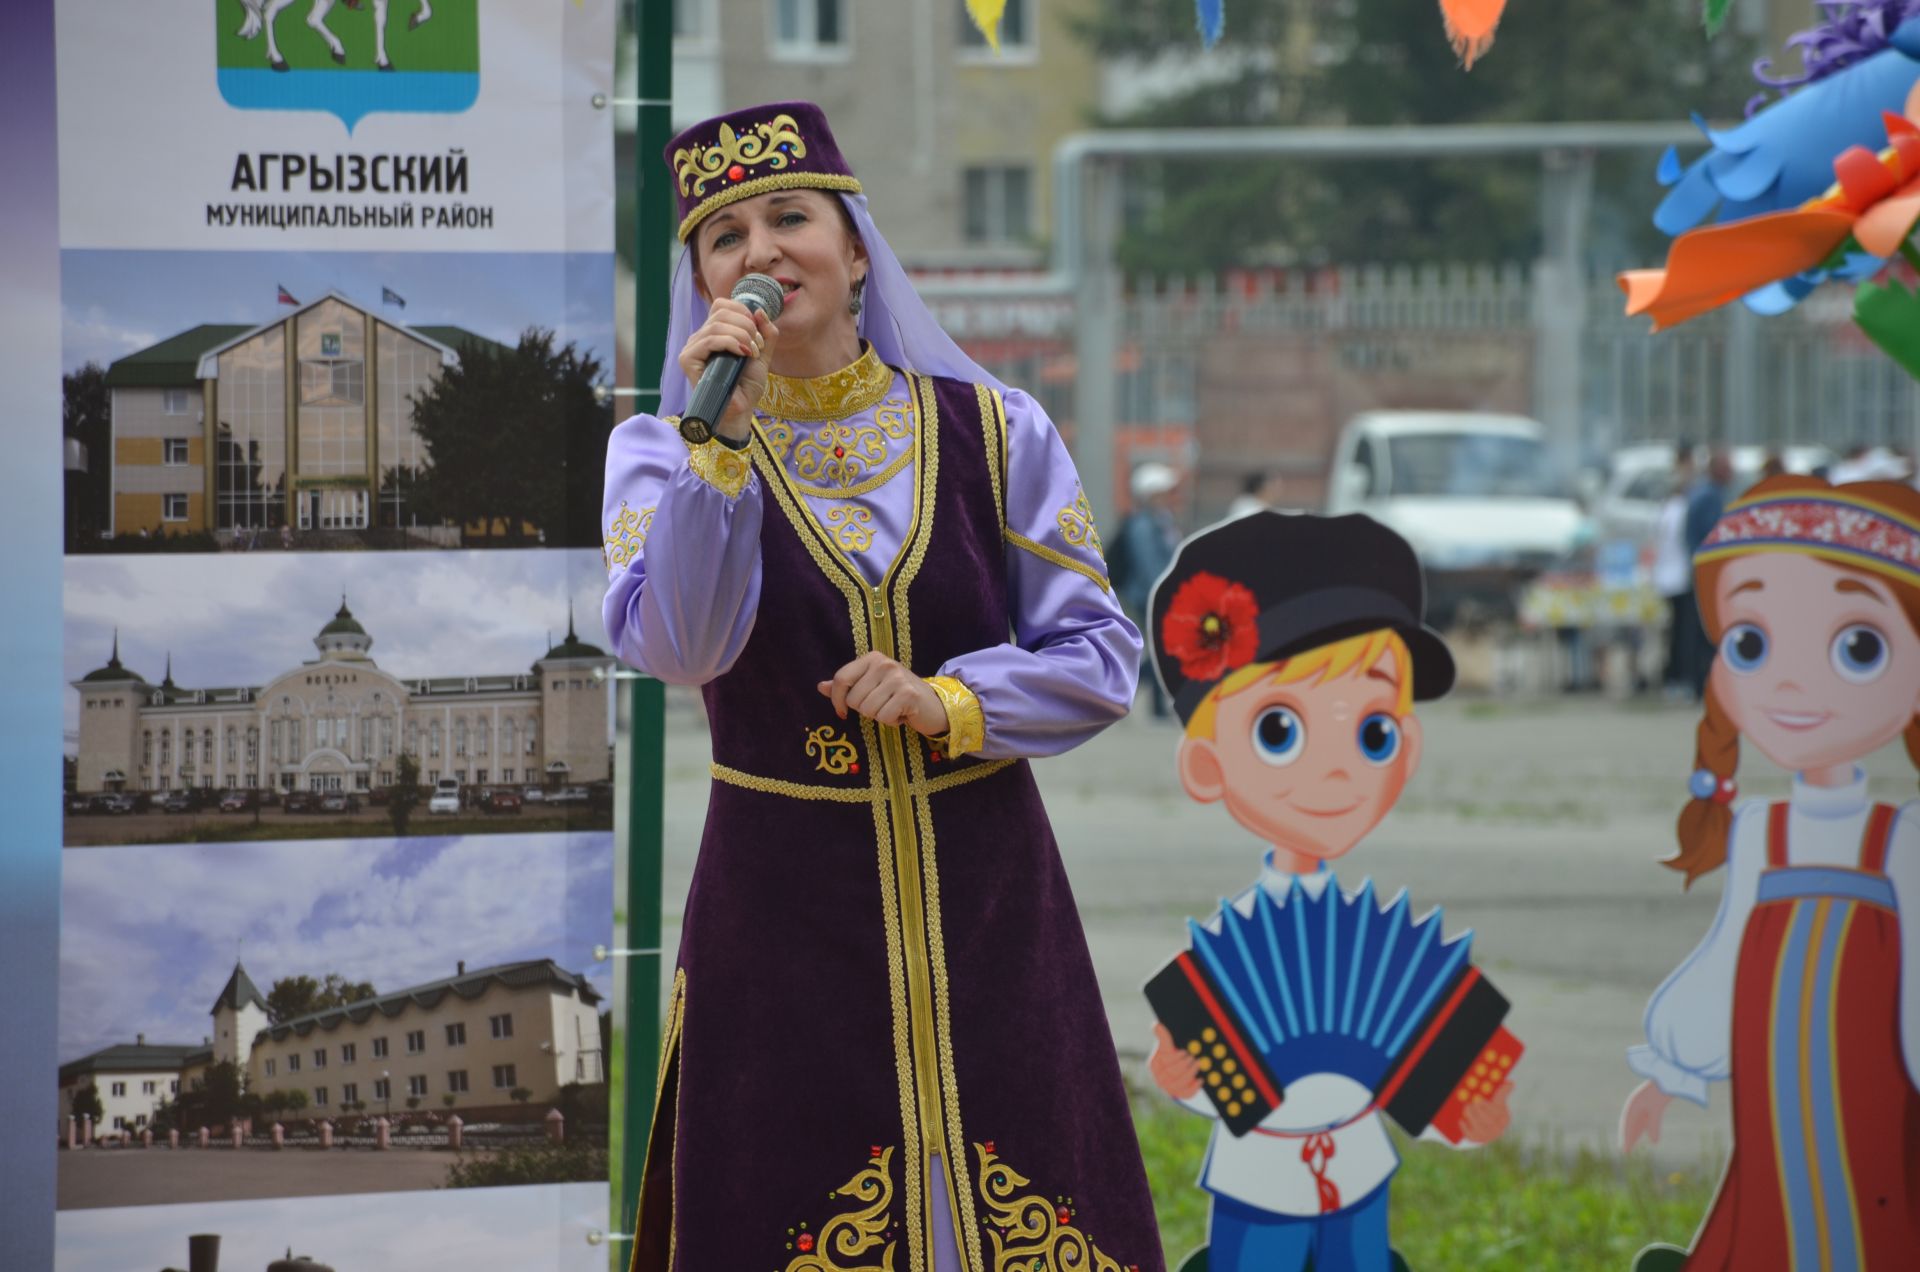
(1173, 1070)
(1642, 1114)
(733, 328)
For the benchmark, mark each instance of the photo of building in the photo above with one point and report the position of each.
(500, 1040)
(338, 723)
(305, 421)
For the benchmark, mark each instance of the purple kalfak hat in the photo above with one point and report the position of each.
(778, 146)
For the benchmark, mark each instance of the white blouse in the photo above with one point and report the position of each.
(1689, 1020)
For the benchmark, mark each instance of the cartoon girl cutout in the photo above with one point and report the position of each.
(1805, 993)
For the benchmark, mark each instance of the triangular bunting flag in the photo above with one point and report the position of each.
(986, 15)
(1470, 26)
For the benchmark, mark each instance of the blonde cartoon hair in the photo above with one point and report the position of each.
(1705, 822)
(1354, 655)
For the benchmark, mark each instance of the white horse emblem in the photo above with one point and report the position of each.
(261, 15)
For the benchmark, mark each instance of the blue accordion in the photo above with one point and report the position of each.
(1336, 984)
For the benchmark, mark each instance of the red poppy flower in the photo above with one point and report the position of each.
(1212, 626)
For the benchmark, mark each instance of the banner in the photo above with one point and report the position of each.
(336, 291)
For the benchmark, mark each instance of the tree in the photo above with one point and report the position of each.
(222, 1091)
(516, 437)
(404, 796)
(86, 1103)
(293, 996)
(1289, 62)
(85, 417)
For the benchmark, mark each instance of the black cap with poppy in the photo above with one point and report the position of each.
(1270, 585)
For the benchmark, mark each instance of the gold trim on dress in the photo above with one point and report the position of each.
(1055, 557)
(850, 794)
(626, 535)
(816, 399)
(720, 466)
(966, 727)
(669, 1054)
(852, 526)
(830, 746)
(1031, 1226)
(853, 1234)
(1076, 524)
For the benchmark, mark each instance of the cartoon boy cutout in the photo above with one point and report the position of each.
(1293, 649)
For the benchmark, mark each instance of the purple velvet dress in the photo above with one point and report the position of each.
(885, 1048)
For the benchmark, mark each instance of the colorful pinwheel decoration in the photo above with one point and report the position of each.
(1821, 185)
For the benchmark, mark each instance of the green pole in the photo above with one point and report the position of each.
(643, 742)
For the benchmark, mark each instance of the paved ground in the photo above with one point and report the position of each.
(92, 1178)
(1538, 825)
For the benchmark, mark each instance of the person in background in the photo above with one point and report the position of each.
(1673, 574)
(1772, 465)
(1706, 500)
(1148, 537)
(1259, 492)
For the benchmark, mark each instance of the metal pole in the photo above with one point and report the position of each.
(1560, 296)
(640, 703)
(1096, 340)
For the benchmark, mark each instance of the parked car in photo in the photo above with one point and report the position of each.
(78, 805)
(175, 802)
(115, 804)
(533, 794)
(237, 802)
(445, 797)
(567, 795)
(301, 802)
(502, 799)
(339, 802)
(1640, 477)
(1474, 492)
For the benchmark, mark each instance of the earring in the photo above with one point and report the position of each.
(854, 302)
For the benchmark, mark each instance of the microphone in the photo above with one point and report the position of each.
(760, 294)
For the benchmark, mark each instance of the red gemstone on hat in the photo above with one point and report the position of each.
(736, 173)
(1063, 1214)
(988, 1146)
(874, 1151)
(804, 1242)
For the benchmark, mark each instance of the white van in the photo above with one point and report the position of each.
(446, 796)
(1472, 491)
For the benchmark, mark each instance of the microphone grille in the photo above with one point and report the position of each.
(767, 291)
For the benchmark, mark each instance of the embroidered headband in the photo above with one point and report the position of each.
(778, 146)
(1836, 524)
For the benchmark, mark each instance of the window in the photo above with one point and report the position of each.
(178, 402)
(319, 1096)
(579, 1068)
(433, 738)
(319, 1057)
(119, 1123)
(417, 1084)
(149, 1088)
(456, 1080)
(381, 1090)
(173, 507)
(692, 20)
(293, 1063)
(349, 1093)
(270, 1069)
(457, 1035)
(998, 198)
(502, 1026)
(348, 1051)
(809, 28)
(379, 1048)
(506, 775)
(459, 737)
(416, 1042)
(173, 1087)
(503, 1077)
(1016, 30)
(119, 1088)
(175, 452)
(233, 752)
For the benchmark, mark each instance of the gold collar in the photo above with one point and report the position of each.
(846, 392)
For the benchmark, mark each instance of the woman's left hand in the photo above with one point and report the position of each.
(887, 693)
(1487, 1120)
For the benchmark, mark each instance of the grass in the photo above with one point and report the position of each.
(1502, 1208)
(449, 42)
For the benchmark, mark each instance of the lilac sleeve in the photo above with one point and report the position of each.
(1074, 662)
(682, 556)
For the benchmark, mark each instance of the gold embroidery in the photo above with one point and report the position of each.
(816, 399)
(852, 527)
(859, 488)
(1060, 559)
(855, 794)
(669, 1051)
(763, 185)
(836, 754)
(966, 728)
(855, 1233)
(1076, 524)
(841, 453)
(776, 143)
(895, 418)
(720, 466)
(1030, 1226)
(779, 436)
(626, 535)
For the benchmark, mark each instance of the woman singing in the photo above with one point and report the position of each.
(885, 1046)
